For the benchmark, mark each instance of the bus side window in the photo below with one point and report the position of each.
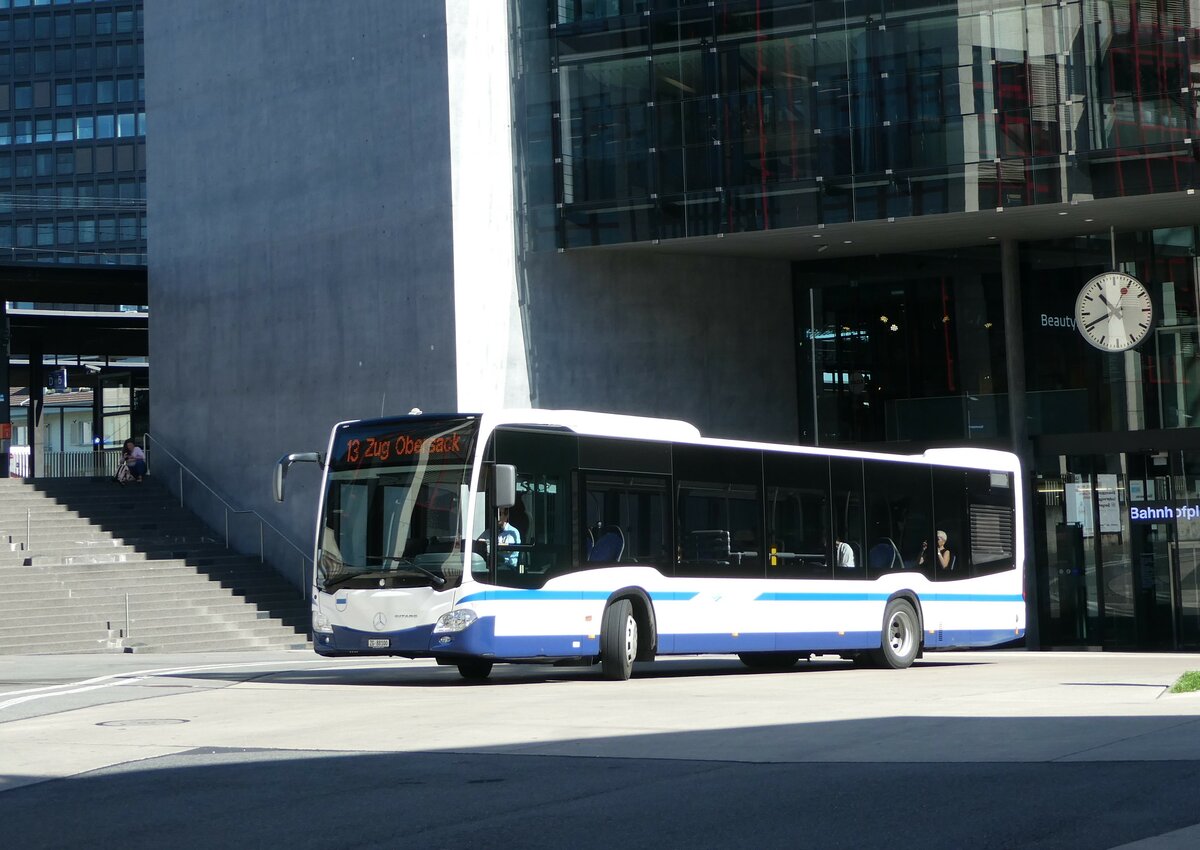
(846, 481)
(992, 531)
(719, 512)
(900, 533)
(799, 538)
(625, 520)
(949, 509)
(798, 531)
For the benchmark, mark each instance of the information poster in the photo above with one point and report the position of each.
(1079, 505)
(1110, 509)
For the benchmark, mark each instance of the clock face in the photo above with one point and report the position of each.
(1113, 311)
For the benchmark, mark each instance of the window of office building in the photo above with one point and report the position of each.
(661, 123)
(47, 57)
(903, 349)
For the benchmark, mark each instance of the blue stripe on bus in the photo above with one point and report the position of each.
(817, 596)
(575, 595)
(881, 597)
(684, 596)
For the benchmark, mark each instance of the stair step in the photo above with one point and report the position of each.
(95, 550)
(216, 645)
(180, 598)
(123, 556)
(10, 634)
(52, 646)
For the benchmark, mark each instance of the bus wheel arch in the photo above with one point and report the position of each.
(901, 634)
(643, 615)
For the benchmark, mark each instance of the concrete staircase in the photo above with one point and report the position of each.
(80, 555)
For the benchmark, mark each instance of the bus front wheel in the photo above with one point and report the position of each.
(475, 670)
(618, 641)
(901, 636)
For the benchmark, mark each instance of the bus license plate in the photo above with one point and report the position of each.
(378, 643)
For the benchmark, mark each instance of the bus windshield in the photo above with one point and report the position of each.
(393, 503)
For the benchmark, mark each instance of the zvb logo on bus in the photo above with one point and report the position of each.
(403, 445)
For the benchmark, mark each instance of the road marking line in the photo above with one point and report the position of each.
(126, 678)
(31, 697)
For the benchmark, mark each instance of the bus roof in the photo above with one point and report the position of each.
(676, 430)
(600, 424)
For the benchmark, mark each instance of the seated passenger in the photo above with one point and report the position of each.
(944, 556)
(843, 555)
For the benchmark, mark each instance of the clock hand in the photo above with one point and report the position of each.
(1113, 309)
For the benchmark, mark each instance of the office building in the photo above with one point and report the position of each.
(847, 224)
(72, 195)
(72, 128)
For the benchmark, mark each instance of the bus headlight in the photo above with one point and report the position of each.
(321, 623)
(455, 621)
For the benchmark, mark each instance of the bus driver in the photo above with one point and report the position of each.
(507, 535)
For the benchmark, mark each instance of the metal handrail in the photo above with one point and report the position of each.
(230, 509)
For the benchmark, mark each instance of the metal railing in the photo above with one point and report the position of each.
(81, 464)
(229, 510)
(85, 464)
(18, 461)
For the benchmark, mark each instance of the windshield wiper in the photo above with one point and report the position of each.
(331, 585)
(367, 572)
(409, 562)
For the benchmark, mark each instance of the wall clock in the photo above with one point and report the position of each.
(1113, 311)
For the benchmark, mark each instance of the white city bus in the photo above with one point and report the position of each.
(639, 537)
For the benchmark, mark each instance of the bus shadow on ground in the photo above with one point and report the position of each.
(424, 676)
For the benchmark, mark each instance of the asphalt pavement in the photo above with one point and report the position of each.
(978, 749)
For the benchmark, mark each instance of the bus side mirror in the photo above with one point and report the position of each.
(285, 463)
(504, 485)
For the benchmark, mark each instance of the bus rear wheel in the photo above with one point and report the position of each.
(901, 637)
(475, 670)
(769, 660)
(618, 641)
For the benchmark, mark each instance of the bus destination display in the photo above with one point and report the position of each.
(388, 444)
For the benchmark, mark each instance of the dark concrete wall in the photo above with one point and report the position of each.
(305, 234)
(301, 268)
(710, 340)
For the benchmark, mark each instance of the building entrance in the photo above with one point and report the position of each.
(1117, 549)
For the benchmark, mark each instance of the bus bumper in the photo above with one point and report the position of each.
(412, 643)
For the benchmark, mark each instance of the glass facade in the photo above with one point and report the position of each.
(644, 120)
(1115, 570)
(912, 347)
(659, 119)
(72, 132)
